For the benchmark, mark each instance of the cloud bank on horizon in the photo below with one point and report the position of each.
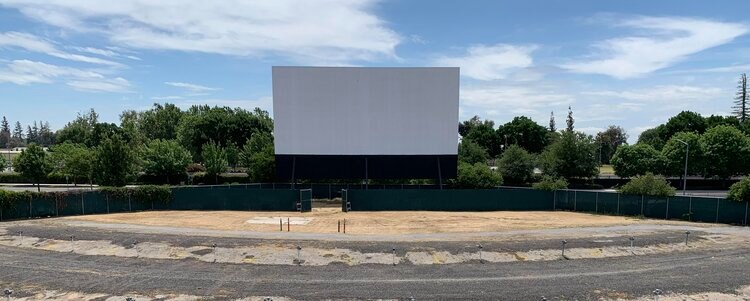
(613, 65)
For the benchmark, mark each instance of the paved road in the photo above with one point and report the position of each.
(685, 272)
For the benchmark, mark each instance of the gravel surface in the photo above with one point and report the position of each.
(585, 279)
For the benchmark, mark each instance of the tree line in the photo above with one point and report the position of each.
(162, 143)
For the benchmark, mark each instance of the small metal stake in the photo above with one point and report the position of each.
(339, 228)
(299, 255)
(213, 246)
(20, 237)
(287, 224)
(687, 234)
(480, 253)
(631, 241)
(394, 256)
(135, 247)
(281, 225)
(72, 243)
(657, 293)
(564, 242)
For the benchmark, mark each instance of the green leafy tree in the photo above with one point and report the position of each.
(233, 154)
(3, 164)
(573, 155)
(130, 123)
(634, 160)
(550, 183)
(487, 137)
(569, 121)
(740, 191)
(166, 159)
(465, 127)
(717, 120)
(214, 159)
(258, 157)
(470, 152)
(516, 165)
(161, 121)
(32, 164)
(5, 133)
(200, 124)
(741, 108)
(674, 155)
(477, 175)
(115, 161)
(73, 161)
(79, 130)
(648, 184)
(609, 140)
(653, 137)
(685, 121)
(524, 132)
(727, 151)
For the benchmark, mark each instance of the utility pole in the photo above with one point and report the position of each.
(684, 177)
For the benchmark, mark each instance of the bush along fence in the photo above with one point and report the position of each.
(701, 209)
(22, 205)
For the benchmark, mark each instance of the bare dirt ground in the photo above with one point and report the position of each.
(325, 220)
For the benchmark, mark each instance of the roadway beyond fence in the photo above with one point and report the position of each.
(183, 198)
(701, 209)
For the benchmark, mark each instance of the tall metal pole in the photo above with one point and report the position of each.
(684, 177)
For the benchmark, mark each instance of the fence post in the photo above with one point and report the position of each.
(130, 206)
(666, 216)
(642, 197)
(575, 200)
(554, 199)
(30, 207)
(596, 203)
(717, 210)
(618, 203)
(106, 197)
(690, 209)
(745, 223)
(83, 206)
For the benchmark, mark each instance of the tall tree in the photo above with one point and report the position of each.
(80, 129)
(635, 160)
(516, 165)
(115, 161)
(609, 140)
(258, 157)
(552, 127)
(465, 127)
(573, 155)
(161, 121)
(653, 137)
(487, 137)
(74, 161)
(741, 109)
(674, 154)
(166, 159)
(32, 164)
(17, 137)
(727, 151)
(214, 159)
(685, 121)
(525, 133)
(470, 152)
(569, 121)
(5, 134)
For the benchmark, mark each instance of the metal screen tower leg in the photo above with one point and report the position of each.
(440, 174)
(294, 166)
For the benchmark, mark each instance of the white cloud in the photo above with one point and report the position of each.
(503, 102)
(25, 72)
(490, 62)
(308, 31)
(36, 44)
(665, 41)
(191, 87)
(725, 69)
(664, 94)
(171, 97)
(105, 52)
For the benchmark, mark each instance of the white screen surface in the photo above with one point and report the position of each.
(365, 111)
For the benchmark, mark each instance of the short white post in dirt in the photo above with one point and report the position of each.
(135, 247)
(480, 253)
(213, 247)
(631, 241)
(7, 293)
(72, 243)
(564, 242)
(394, 256)
(299, 255)
(20, 238)
(687, 234)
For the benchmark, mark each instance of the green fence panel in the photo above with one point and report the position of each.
(305, 199)
(679, 208)
(585, 201)
(631, 204)
(607, 203)
(450, 200)
(704, 209)
(732, 212)
(16, 210)
(43, 206)
(94, 202)
(655, 207)
(564, 200)
(70, 204)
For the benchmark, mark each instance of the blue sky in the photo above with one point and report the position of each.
(628, 63)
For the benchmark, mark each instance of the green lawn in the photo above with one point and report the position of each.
(606, 170)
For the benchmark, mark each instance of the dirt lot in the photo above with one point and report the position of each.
(325, 220)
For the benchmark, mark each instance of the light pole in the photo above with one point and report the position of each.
(684, 177)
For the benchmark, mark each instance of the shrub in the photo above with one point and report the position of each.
(516, 165)
(648, 184)
(195, 167)
(7, 197)
(740, 191)
(477, 176)
(146, 193)
(550, 183)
